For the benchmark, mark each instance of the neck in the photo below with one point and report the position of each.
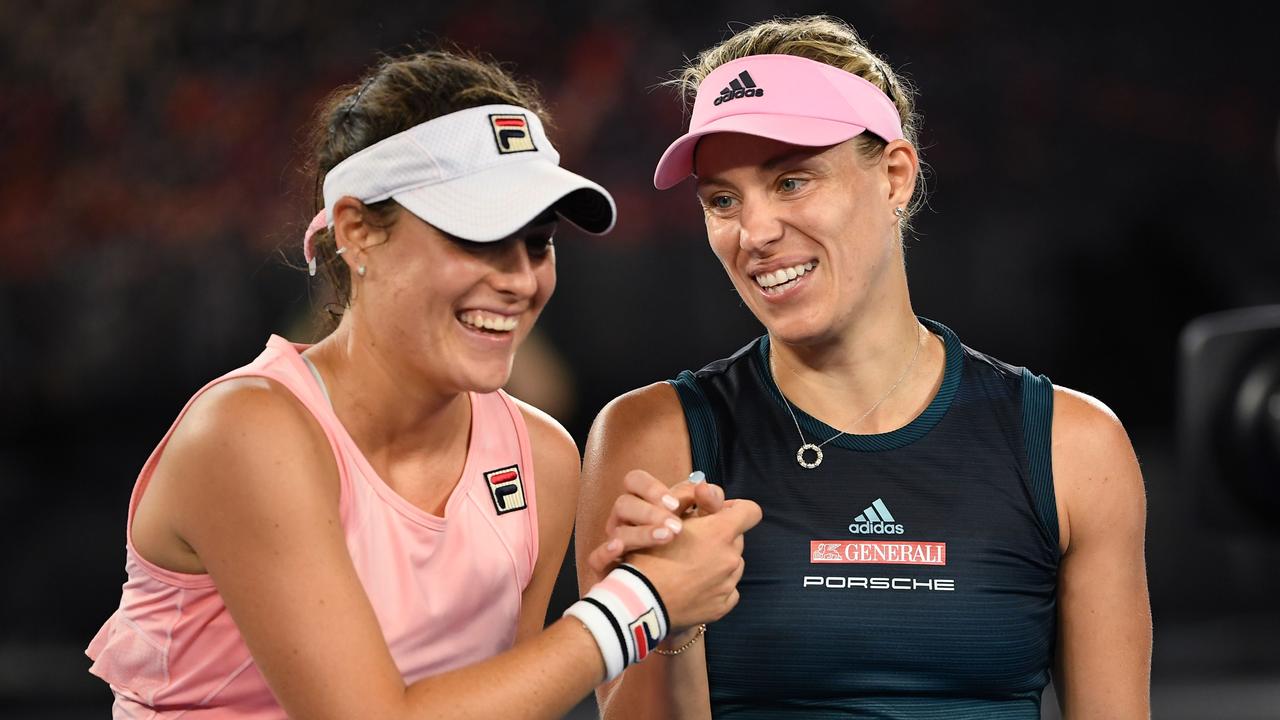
(387, 407)
(876, 376)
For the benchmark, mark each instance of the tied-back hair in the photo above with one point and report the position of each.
(395, 95)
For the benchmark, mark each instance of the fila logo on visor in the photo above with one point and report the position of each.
(506, 489)
(511, 132)
(741, 87)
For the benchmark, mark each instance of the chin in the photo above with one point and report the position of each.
(482, 380)
(798, 331)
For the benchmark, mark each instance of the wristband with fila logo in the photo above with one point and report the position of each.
(626, 617)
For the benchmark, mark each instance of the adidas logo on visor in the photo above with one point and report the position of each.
(742, 87)
(875, 520)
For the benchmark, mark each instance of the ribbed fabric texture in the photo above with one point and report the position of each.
(1037, 424)
(703, 438)
(910, 575)
(446, 590)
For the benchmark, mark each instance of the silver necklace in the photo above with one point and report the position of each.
(817, 449)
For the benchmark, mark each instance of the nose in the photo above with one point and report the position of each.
(514, 270)
(760, 226)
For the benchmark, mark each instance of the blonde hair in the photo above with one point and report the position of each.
(823, 39)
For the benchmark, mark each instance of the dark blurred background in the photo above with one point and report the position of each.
(1101, 175)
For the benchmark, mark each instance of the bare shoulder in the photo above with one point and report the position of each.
(245, 445)
(642, 429)
(1096, 472)
(554, 451)
(1088, 439)
(647, 416)
(244, 420)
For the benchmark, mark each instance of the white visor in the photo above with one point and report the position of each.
(479, 174)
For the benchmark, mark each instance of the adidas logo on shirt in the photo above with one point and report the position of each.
(742, 87)
(875, 520)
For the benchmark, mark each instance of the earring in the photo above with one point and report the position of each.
(899, 212)
(360, 271)
(340, 251)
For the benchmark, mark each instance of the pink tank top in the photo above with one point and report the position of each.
(446, 590)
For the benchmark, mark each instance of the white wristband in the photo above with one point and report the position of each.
(626, 617)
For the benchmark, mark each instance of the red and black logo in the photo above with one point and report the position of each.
(511, 132)
(644, 631)
(506, 489)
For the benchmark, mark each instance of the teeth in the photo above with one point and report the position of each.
(489, 321)
(777, 277)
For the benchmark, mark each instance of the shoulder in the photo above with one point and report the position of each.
(246, 449)
(642, 429)
(1084, 423)
(1095, 468)
(995, 373)
(244, 418)
(555, 454)
(652, 413)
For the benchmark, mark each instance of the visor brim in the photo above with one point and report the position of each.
(677, 162)
(493, 204)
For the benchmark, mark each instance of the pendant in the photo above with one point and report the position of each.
(817, 459)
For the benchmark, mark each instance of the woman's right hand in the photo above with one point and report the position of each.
(696, 574)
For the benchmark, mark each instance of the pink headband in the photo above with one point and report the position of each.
(318, 223)
(782, 97)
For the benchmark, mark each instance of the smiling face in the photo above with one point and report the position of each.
(453, 310)
(807, 235)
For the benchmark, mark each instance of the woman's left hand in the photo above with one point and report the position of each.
(649, 514)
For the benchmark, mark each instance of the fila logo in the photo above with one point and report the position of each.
(875, 520)
(742, 86)
(506, 489)
(644, 632)
(511, 132)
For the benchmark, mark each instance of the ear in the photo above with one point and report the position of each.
(352, 231)
(902, 165)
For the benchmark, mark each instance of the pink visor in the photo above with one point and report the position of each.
(782, 97)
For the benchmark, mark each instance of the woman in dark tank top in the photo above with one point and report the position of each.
(941, 529)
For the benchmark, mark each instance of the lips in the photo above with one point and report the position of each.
(782, 279)
(488, 321)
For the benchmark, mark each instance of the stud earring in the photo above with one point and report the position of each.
(899, 212)
(340, 251)
(360, 271)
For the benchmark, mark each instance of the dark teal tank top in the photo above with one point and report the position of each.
(912, 574)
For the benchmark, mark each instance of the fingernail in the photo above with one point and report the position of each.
(670, 502)
(661, 533)
(614, 545)
(674, 524)
(697, 476)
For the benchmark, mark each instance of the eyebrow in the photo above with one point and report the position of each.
(772, 163)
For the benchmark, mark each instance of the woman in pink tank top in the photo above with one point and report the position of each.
(368, 527)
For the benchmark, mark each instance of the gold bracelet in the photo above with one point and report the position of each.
(701, 629)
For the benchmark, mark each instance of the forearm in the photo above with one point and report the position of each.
(543, 677)
(664, 686)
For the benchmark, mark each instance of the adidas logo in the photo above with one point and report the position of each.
(742, 87)
(875, 520)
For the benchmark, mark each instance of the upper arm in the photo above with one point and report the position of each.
(644, 429)
(256, 497)
(1104, 652)
(556, 467)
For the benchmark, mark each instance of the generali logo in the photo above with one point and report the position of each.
(877, 552)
